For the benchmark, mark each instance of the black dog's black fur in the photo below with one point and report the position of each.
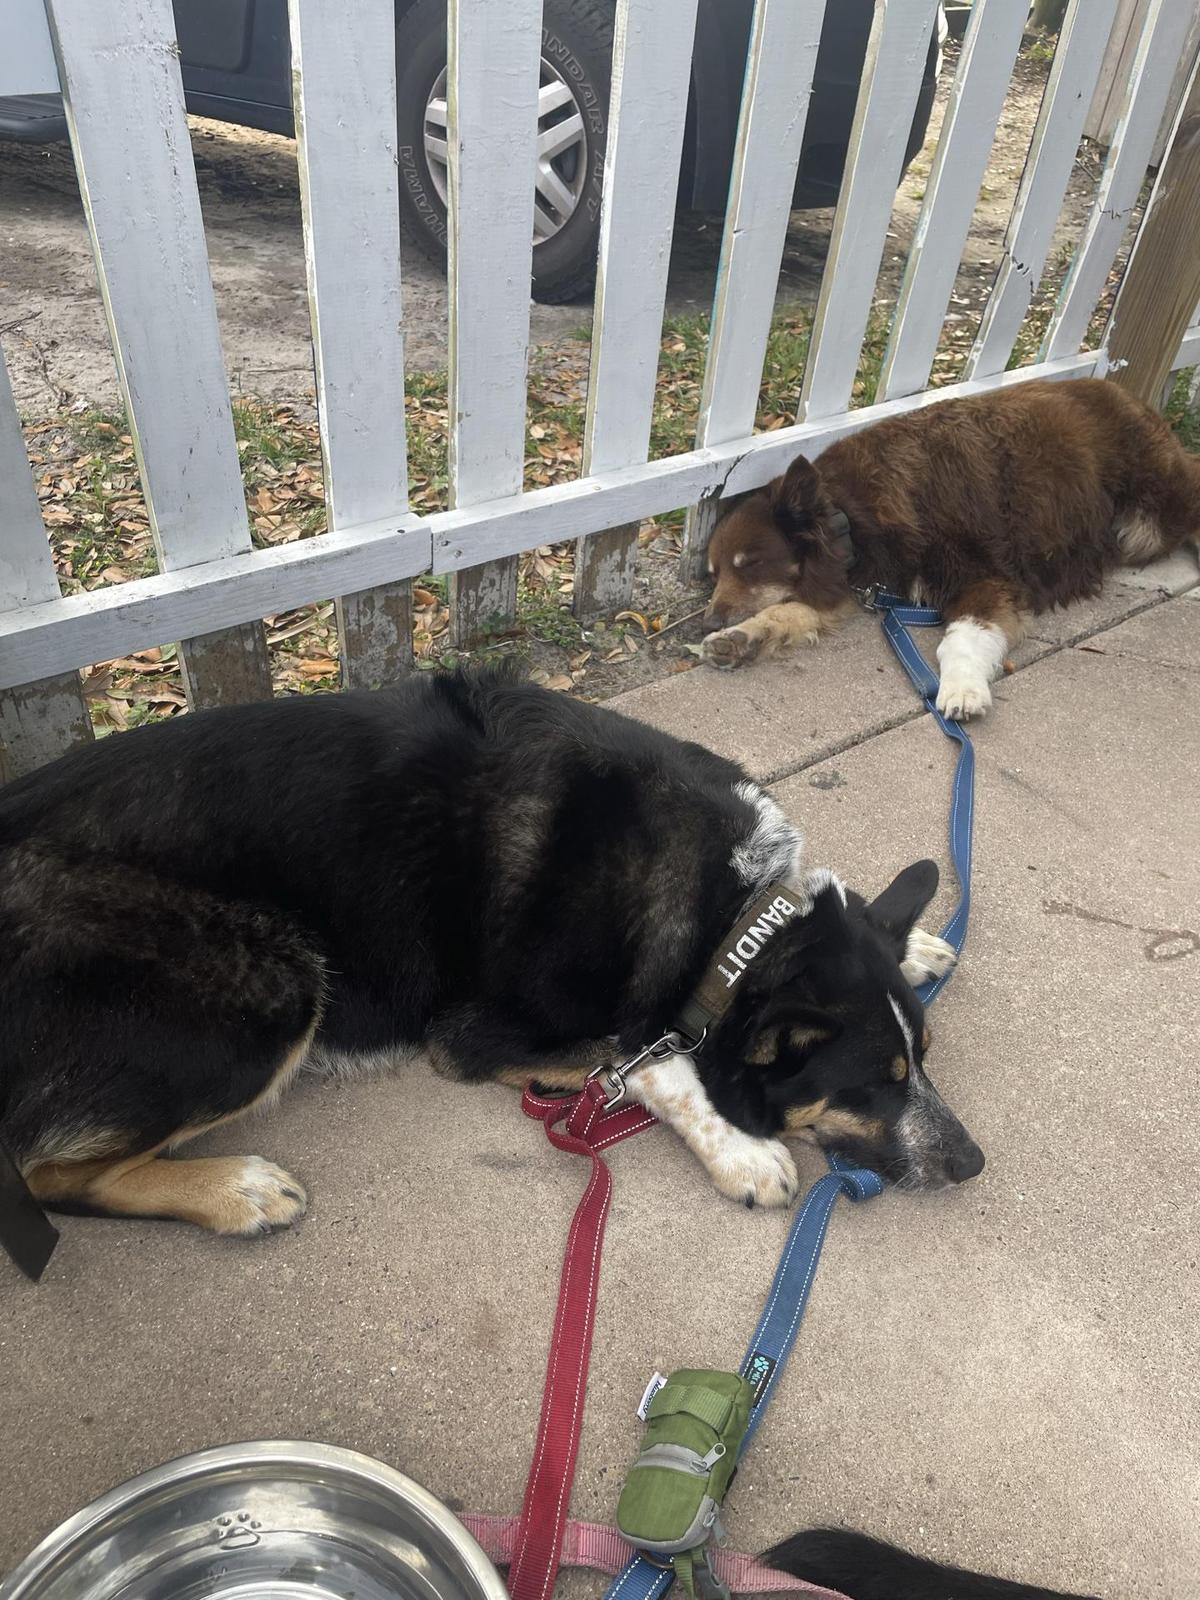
(863, 1568)
(519, 882)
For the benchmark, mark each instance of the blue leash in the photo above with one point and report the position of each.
(779, 1324)
(898, 616)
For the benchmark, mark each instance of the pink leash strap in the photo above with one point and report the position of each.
(535, 1553)
(602, 1549)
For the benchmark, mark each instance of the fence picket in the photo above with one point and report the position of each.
(344, 99)
(651, 72)
(491, 136)
(1073, 76)
(39, 720)
(1150, 82)
(784, 37)
(887, 101)
(976, 99)
(119, 69)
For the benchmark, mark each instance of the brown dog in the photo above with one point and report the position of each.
(992, 509)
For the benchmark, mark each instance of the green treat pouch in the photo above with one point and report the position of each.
(694, 1429)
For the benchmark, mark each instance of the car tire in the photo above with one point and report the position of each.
(577, 38)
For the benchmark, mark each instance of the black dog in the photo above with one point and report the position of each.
(863, 1568)
(524, 886)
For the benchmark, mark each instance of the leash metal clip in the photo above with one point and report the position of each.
(672, 1043)
(867, 594)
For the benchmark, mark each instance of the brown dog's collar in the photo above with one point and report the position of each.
(770, 912)
(838, 524)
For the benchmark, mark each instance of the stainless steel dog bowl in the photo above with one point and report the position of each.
(277, 1519)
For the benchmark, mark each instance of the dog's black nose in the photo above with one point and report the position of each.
(966, 1161)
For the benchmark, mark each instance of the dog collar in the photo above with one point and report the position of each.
(838, 524)
(767, 914)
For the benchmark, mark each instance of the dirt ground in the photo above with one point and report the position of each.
(53, 325)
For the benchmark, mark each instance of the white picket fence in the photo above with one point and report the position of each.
(117, 64)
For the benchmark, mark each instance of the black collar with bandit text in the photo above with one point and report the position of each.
(712, 997)
(714, 994)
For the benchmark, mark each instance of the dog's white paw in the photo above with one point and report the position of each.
(256, 1196)
(926, 957)
(962, 695)
(758, 1172)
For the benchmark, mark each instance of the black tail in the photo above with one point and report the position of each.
(863, 1568)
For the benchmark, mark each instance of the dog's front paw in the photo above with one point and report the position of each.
(926, 957)
(758, 1172)
(254, 1196)
(730, 648)
(961, 696)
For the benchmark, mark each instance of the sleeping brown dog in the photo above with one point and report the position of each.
(992, 508)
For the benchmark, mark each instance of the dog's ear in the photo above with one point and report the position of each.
(896, 910)
(785, 1034)
(798, 498)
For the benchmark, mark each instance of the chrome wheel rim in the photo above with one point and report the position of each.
(561, 151)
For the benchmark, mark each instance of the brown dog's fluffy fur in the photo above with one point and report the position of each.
(991, 508)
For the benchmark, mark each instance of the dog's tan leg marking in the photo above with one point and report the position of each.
(228, 1194)
(754, 1171)
(554, 1078)
(779, 627)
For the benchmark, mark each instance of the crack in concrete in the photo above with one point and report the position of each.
(886, 725)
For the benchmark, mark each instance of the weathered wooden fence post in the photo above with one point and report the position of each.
(1161, 288)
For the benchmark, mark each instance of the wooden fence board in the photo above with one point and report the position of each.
(344, 98)
(491, 135)
(123, 95)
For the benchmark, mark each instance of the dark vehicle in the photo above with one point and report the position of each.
(236, 67)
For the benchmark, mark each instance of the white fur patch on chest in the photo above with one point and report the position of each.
(1140, 538)
(770, 852)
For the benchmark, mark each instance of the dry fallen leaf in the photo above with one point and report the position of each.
(633, 616)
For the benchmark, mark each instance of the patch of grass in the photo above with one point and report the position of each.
(1183, 413)
(543, 617)
(263, 436)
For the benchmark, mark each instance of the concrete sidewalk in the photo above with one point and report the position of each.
(1005, 1375)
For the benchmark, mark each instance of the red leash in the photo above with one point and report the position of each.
(589, 1130)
